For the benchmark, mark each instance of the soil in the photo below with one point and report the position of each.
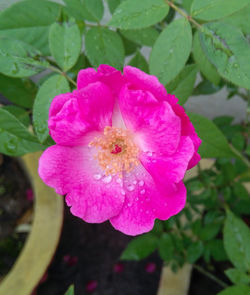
(88, 257)
(15, 211)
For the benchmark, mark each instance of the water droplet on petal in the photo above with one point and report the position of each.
(149, 154)
(135, 182)
(142, 191)
(107, 179)
(141, 183)
(129, 204)
(118, 180)
(123, 192)
(97, 176)
(130, 187)
(136, 198)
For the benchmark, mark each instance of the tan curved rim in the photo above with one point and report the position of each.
(43, 238)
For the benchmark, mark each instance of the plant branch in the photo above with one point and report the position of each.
(210, 276)
(243, 159)
(56, 70)
(183, 13)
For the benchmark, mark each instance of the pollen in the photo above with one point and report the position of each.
(116, 151)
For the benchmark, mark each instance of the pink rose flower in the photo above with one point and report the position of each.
(123, 146)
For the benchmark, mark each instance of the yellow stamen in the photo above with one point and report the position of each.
(116, 151)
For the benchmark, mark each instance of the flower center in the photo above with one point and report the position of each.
(116, 151)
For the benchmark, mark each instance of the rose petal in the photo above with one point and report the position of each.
(96, 104)
(74, 171)
(140, 80)
(156, 126)
(145, 201)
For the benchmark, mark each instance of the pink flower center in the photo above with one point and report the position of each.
(117, 151)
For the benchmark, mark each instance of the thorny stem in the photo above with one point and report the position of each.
(210, 276)
(183, 13)
(56, 70)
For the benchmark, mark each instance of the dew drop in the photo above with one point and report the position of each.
(97, 176)
(135, 182)
(11, 145)
(141, 183)
(118, 180)
(130, 187)
(123, 192)
(129, 204)
(149, 154)
(142, 191)
(137, 199)
(107, 179)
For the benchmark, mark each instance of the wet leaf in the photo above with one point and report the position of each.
(53, 86)
(176, 39)
(138, 14)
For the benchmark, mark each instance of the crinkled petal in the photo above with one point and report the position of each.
(96, 103)
(156, 126)
(170, 169)
(105, 74)
(74, 171)
(145, 201)
(140, 80)
(65, 123)
(187, 129)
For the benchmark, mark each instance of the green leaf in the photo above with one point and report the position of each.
(140, 247)
(237, 277)
(70, 291)
(65, 44)
(217, 250)
(138, 14)
(53, 86)
(182, 85)
(238, 19)
(104, 46)
(187, 5)
(112, 4)
(15, 139)
(205, 87)
(194, 251)
(237, 242)
(176, 40)
(206, 68)
(144, 37)
(90, 10)
(19, 59)
(210, 231)
(20, 92)
(20, 113)
(236, 290)
(139, 61)
(214, 144)
(166, 247)
(227, 49)
(215, 9)
(29, 22)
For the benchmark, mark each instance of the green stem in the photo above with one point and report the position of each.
(56, 70)
(183, 13)
(243, 159)
(210, 276)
